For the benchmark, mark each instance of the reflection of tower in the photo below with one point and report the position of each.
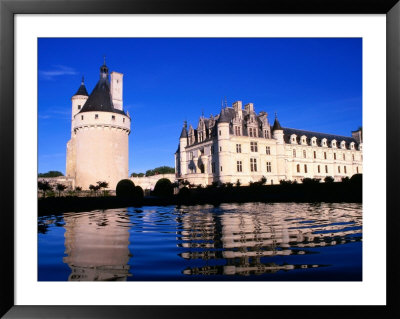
(96, 246)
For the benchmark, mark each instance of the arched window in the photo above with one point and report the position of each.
(298, 168)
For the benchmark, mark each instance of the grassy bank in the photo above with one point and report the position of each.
(322, 192)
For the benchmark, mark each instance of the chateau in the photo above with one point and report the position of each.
(240, 145)
(98, 148)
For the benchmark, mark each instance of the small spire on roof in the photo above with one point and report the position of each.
(104, 56)
(83, 80)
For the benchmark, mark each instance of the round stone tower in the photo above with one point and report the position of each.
(100, 131)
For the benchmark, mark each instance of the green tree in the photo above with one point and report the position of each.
(160, 170)
(60, 188)
(51, 174)
(44, 186)
(137, 174)
(102, 185)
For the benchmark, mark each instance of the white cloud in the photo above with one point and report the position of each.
(58, 70)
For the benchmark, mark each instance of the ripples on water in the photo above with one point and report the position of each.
(254, 241)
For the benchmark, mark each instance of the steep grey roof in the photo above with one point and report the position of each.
(100, 98)
(287, 132)
(184, 132)
(82, 89)
(226, 115)
(277, 125)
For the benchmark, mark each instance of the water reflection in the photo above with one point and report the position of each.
(229, 242)
(248, 236)
(96, 245)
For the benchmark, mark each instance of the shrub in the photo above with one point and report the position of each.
(125, 188)
(238, 183)
(309, 181)
(328, 179)
(138, 193)
(356, 179)
(163, 188)
(345, 179)
(184, 193)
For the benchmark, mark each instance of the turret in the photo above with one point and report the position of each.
(183, 142)
(277, 131)
(79, 99)
(223, 167)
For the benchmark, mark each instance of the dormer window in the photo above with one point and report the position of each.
(352, 145)
(314, 141)
(343, 144)
(324, 142)
(293, 138)
(303, 140)
(333, 143)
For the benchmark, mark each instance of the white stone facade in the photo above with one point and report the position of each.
(240, 145)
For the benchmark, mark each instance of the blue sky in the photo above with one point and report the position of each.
(312, 83)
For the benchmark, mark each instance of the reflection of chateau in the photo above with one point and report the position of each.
(96, 246)
(239, 144)
(250, 242)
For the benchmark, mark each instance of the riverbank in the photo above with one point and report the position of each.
(321, 192)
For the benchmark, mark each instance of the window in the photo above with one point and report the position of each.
(269, 169)
(212, 167)
(253, 147)
(324, 155)
(305, 168)
(96, 116)
(268, 150)
(79, 107)
(253, 164)
(298, 168)
(219, 132)
(344, 157)
(221, 168)
(304, 154)
(81, 117)
(220, 148)
(334, 156)
(319, 169)
(250, 132)
(352, 156)
(294, 153)
(113, 117)
(123, 120)
(345, 169)
(315, 154)
(338, 169)
(238, 148)
(326, 168)
(357, 169)
(239, 166)
(237, 130)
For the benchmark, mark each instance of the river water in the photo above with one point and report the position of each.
(252, 241)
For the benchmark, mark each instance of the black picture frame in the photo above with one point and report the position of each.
(8, 10)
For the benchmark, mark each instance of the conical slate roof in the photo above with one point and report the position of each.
(276, 126)
(82, 89)
(100, 98)
(184, 131)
